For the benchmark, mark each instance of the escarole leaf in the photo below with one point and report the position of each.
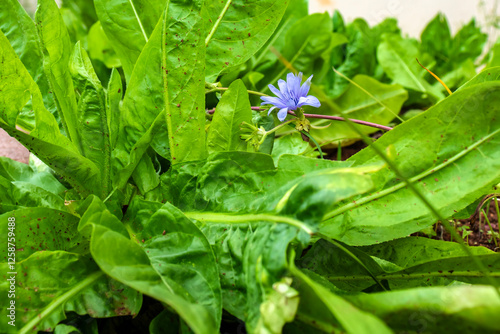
(443, 151)
(91, 115)
(322, 307)
(431, 263)
(45, 141)
(381, 105)
(306, 47)
(166, 92)
(232, 110)
(43, 229)
(18, 172)
(149, 269)
(56, 48)
(179, 252)
(17, 194)
(51, 283)
(397, 57)
(236, 29)
(488, 74)
(21, 32)
(113, 98)
(250, 212)
(129, 25)
(244, 182)
(252, 257)
(464, 309)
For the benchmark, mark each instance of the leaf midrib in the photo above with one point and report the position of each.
(61, 300)
(414, 179)
(138, 20)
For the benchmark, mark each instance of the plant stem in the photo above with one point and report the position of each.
(338, 118)
(332, 118)
(491, 228)
(280, 126)
(245, 219)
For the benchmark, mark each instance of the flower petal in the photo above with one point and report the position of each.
(291, 105)
(273, 100)
(270, 110)
(276, 92)
(304, 90)
(309, 101)
(282, 114)
(293, 83)
(283, 88)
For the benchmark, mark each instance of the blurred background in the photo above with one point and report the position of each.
(413, 16)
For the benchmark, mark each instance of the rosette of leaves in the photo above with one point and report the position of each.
(140, 195)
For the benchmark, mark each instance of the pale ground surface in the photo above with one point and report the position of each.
(412, 15)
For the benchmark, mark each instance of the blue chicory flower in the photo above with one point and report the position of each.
(291, 95)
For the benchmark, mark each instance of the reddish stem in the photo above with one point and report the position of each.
(332, 118)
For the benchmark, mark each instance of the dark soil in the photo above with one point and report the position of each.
(475, 231)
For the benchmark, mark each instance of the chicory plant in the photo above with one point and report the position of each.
(144, 197)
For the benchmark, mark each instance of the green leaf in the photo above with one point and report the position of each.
(129, 25)
(166, 83)
(398, 264)
(356, 57)
(100, 47)
(264, 59)
(114, 96)
(165, 323)
(232, 110)
(19, 194)
(436, 38)
(179, 252)
(443, 152)
(468, 43)
(289, 144)
(319, 305)
(397, 56)
(251, 258)
(494, 59)
(305, 47)
(488, 74)
(137, 268)
(43, 229)
(378, 103)
(65, 329)
(91, 115)
(18, 172)
(16, 89)
(20, 30)
(236, 30)
(235, 182)
(56, 48)
(403, 252)
(84, 9)
(51, 283)
(464, 309)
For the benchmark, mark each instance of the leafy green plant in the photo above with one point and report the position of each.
(157, 179)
